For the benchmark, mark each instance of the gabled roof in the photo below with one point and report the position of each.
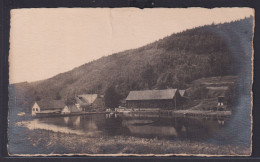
(152, 94)
(86, 98)
(50, 104)
(182, 92)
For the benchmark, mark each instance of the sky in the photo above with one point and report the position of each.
(46, 42)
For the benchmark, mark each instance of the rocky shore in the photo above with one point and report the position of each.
(52, 143)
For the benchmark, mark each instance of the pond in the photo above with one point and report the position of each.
(137, 125)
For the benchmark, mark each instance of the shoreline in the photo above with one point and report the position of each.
(64, 115)
(61, 143)
(177, 113)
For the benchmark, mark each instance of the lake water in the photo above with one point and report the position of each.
(212, 130)
(138, 125)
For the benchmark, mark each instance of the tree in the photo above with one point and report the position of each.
(149, 76)
(57, 96)
(111, 98)
(70, 101)
(232, 96)
(37, 98)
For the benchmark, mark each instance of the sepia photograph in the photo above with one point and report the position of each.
(129, 81)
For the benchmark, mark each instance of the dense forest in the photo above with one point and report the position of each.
(172, 62)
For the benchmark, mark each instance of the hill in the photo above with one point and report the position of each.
(174, 61)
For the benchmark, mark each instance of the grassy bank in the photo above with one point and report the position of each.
(48, 142)
(202, 113)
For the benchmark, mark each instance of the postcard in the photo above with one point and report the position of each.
(129, 81)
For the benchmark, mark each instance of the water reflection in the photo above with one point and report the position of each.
(140, 125)
(76, 122)
(66, 120)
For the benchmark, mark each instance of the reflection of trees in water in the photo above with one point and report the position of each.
(141, 125)
(197, 128)
(191, 128)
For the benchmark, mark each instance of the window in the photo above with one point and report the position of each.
(33, 109)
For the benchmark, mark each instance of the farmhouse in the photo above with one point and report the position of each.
(70, 109)
(164, 99)
(47, 106)
(89, 101)
(183, 93)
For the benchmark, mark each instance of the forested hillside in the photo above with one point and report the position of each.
(174, 61)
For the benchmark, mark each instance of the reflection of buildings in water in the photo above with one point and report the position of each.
(66, 119)
(144, 127)
(108, 116)
(76, 122)
(183, 129)
(221, 122)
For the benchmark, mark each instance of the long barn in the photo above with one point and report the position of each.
(164, 99)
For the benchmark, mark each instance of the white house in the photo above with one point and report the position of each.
(35, 108)
(70, 109)
(65, 110)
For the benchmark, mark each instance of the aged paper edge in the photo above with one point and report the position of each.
(156, 155)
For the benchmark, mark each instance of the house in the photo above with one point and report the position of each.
(65, 110)
(164, 99)
(89, 101)
(47, 106)
(183, 93)
(70, 109)
(74, 109)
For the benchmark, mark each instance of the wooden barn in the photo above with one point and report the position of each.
(47, 107)
(163, 99)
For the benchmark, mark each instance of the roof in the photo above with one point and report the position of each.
(86, 98)
(50, 104)
(182, 92)
(48, 111)
(152, 94)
